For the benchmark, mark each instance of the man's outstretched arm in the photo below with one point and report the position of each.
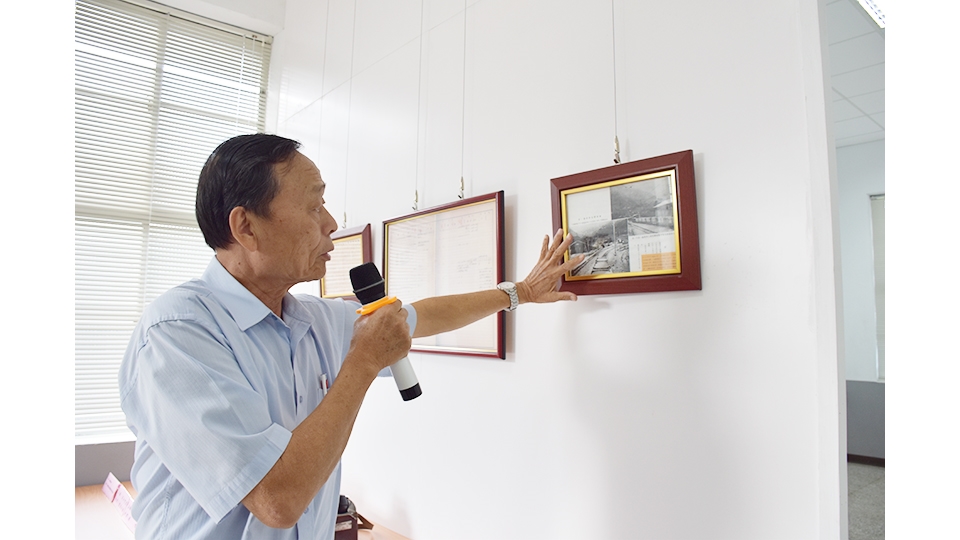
(444, 313)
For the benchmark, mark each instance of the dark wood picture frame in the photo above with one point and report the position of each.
(341, 272)
(685, 275)
(401, 273)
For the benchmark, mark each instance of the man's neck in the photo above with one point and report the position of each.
(271, 294)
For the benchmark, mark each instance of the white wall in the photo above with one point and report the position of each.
(860, 174)
(264, 16)
(706, 414)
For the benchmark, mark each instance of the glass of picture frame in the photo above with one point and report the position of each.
(451, 249)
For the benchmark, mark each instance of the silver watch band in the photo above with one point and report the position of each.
(511, 290)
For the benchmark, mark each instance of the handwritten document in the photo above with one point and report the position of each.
(447, 252)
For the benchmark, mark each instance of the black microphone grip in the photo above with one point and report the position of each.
(368, 287)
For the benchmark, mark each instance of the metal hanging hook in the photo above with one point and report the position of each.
(344, 220)
(416, 199)
(613, 43)
(461, 187)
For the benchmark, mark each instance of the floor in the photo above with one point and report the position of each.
(97, 519)
(865, 501)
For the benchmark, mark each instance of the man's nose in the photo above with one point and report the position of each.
(331, 224)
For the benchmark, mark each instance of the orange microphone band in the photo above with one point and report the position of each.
(375, 305)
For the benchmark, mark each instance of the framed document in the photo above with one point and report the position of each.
(452, 249)
(636, 223)
(351, 247)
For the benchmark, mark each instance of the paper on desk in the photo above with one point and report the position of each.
(120, 498)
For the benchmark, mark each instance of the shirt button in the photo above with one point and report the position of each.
(305, 510)
(301, 399)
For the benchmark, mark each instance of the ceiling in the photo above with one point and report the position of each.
(856, 73)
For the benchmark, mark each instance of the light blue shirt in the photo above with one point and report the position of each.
(212, 384)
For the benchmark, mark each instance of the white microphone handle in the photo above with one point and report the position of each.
(403, 374)
(406, 379)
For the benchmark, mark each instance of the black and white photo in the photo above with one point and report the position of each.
(624, 227)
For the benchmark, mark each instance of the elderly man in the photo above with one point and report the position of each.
(237, 435)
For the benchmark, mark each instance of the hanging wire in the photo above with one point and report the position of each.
(323, 79)
(346, 166)
(463, 97)
(416, 175)
(616, 129)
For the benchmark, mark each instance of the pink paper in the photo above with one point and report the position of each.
(118, 495)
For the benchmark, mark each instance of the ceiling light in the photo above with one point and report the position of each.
(873, 10)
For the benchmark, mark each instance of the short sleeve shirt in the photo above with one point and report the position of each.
(212, 384)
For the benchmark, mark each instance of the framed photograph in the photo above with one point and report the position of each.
(635, 222)
(451, 249)
(351, 247)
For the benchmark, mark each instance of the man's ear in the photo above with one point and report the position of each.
(242, 228)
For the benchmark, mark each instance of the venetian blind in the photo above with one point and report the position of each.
(156, 91)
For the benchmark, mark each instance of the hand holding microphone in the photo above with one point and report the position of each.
(369, 289)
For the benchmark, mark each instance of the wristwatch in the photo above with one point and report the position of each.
(511, 290)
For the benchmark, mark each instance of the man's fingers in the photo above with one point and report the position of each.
(544, 279)
(559, 245)
(557, 238)
(565, 244)
(562, 249)
(573, 262)
(561, 295)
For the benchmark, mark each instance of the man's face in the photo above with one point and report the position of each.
(296, 237)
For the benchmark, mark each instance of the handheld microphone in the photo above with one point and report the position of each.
(369, 288)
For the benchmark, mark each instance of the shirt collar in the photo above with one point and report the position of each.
(296, 317)
(244, 306)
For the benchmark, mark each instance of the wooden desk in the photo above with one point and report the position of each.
(97, 519)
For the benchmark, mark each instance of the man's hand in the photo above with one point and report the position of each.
(379, 340)
(543, 283)
(382, 337)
